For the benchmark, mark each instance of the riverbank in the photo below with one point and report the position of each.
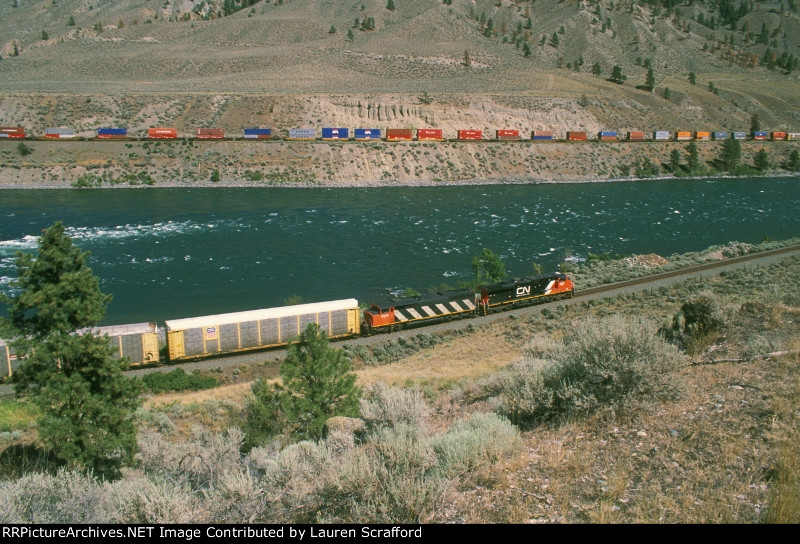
(188, 163)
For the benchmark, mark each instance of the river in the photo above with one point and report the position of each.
(170, 253)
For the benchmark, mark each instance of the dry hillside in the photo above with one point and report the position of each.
(458, 64)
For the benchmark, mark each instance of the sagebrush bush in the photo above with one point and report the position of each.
(67, 497)
(384, 406)
(481, 440)
(612, 366)
(144, 500)
(197, 463)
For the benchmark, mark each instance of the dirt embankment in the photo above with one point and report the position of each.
(253, 163)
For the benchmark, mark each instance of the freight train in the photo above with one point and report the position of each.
(344, 134)
(194, 338)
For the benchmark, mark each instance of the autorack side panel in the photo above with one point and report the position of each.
(138, 341)
(5, 359)
(240, 331)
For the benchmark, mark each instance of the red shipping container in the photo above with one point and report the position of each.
(12, 132)
(470, 134)
(510, 134)
(576, 136)
(429, 134)
(395, 134)
(210, 133)
(161, 133)
(636, 135)
(778, 135)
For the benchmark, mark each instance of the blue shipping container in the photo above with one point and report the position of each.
(760, 135)
(542, 137)
(739, 135)
(335, 134)
(368, 134)
(256, 132)
(112, 131)
(719, 135)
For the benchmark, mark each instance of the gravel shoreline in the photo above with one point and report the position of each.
(247, 184)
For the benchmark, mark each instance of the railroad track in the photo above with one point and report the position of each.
(275, 356)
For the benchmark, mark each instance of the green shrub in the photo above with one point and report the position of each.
(613, 367)
(177, 380)
(694, 326)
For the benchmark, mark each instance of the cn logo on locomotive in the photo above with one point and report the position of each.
(523, 291)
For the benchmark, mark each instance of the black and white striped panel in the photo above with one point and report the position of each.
(434, 310)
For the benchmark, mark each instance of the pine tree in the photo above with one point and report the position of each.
(693, 160)
(692, 78)
(596, 69)
(69, 373)
(317, 384)
(675, 161)
(731, 155)
(488, 266)
(616, 75)
(526, 50)
(761, 160)
(390, 5)
(650, 81)
(793, 163)
(755, 123)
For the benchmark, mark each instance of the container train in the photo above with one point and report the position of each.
(344, 134)
(194, 338)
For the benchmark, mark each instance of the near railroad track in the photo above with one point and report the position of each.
(651, 281)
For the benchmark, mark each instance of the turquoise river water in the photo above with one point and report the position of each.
(170, 253)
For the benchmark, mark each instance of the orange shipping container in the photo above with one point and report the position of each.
(636, 135)
(210, 133)
(576, 136)
(510, 134)
(703, 136)
(778, 135)
(470, 134)
(429, 134)
(683, 135)
(397, 134)
(161, 133)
